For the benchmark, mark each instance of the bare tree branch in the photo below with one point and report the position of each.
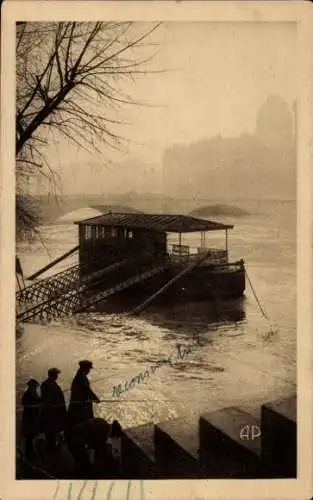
(68, 77)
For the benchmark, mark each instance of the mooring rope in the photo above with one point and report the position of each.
(256, 297)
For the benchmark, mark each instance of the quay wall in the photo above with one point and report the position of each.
(228, 443)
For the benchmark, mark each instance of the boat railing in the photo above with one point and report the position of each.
(186, 253)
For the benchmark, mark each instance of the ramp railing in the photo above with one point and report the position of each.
(81, 298)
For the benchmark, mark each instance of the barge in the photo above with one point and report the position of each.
(135, 255)
(191, 270)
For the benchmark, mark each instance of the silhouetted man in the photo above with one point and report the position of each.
(82, 397)
(53, 413)
(31, 416)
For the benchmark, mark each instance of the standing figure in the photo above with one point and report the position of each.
(31, 416)
(82, 397)
(53, 413)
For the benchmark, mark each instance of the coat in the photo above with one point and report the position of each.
(53, 413)
(31, 413)
(80, 407)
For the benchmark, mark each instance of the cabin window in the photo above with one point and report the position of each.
(113, 232)
(130, 235)
(94, 233)
(87, 232)
(98, 232)
(103, 232)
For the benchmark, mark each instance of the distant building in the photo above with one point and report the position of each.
(250, 165)
(275, 125)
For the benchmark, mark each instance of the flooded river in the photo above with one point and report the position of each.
(240, 358)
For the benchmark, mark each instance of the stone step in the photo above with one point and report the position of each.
(230, 444)
(138, 453)
(279, 437)
(177, 448)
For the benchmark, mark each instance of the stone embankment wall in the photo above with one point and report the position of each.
(228, 443)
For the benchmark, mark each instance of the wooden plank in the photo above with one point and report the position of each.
(53, 263)
(189, 268)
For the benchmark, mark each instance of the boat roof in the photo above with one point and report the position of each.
(171, 223)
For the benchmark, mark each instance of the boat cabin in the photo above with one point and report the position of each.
(114, 236)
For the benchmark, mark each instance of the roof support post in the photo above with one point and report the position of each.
(179, 242)
(226, 231)
(202, 239)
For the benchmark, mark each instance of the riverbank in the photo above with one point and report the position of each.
(226, 443)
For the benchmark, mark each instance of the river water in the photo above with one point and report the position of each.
(241, 358)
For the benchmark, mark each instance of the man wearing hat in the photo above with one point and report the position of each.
(31, 416)
(82, 397)
(53, 413)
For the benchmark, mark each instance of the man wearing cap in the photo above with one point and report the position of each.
(82, 397)
(53, 412)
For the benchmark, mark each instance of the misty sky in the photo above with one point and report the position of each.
(218, 76)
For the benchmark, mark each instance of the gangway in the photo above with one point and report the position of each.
(49, 287)
(77, 300)
(60, 283)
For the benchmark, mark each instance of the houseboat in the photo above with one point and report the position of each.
(148, 253)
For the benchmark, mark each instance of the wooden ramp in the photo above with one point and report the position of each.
(72, 295)
(49, 287)
(60, 283)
